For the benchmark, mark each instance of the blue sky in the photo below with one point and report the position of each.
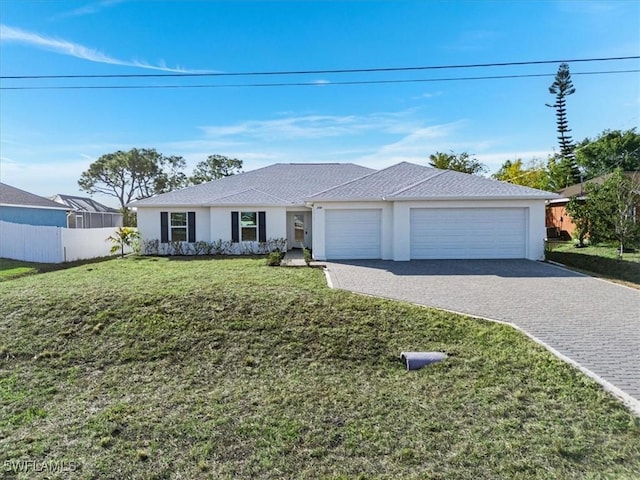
(49, 136)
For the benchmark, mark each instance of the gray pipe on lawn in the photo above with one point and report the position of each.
(417, 360)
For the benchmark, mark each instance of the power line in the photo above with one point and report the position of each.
(317, 72)
(308, 84)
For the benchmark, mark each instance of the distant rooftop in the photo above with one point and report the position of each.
(82, 204)
(20, 198)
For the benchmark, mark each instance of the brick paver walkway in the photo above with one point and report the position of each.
(589, 322)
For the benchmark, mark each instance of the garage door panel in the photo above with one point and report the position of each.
(466, 233)
(353, 234)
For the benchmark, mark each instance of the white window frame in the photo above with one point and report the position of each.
(249, 226)
(173, 227)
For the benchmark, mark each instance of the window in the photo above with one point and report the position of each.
(249, 226)
(179, 227)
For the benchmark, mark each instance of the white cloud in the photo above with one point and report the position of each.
(64, 47)
(87, 9)
(414, 147)
(315, 126)
(427, 95)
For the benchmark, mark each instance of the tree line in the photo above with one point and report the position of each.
(144, 172)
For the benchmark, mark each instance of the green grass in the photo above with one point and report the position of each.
(161, 368)
(600, 260)
(10, 269)
(15, 268)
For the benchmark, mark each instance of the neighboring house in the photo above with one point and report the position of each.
(87, 213)
(19, 206)
(344, 211)
(558, 222)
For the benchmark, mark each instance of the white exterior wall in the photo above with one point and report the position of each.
(149, 222)
(212, 223)
(537, 230)
(396, 219)
(220, 221)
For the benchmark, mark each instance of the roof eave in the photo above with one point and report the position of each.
(351, 199)
(214, 205)
(469, 197)
(42, 207)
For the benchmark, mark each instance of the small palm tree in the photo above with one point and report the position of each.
(123, 237)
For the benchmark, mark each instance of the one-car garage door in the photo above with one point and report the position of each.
(451, 233)
(352, 234)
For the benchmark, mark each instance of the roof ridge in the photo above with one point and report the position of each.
(415, 184)
(345, 183)
(239, 192)
(270, 194)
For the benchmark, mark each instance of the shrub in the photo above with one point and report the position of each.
(306, 253)
(275, 258)
(122, 238)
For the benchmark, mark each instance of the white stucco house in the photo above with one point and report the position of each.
(345, 211)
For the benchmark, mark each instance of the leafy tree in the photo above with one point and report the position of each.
(132, 175)
(562, 172)
(610, 150)
(462, 162)
(215, 166)
(580, 213)
(172, 177)
(533, 174)
(122, 238)
(613, 207)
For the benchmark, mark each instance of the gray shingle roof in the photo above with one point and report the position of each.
(82, 204)
(278, 184)
(408, 181)
(14, 196)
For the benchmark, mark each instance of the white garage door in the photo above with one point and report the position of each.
(451, 233)
(352, 234)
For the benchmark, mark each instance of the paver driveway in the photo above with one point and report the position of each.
(595, 324)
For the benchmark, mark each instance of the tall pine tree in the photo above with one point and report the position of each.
(562, 87)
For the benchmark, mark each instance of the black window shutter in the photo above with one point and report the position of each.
(235, 227)
(262, 226)
(191, 221)
(164, 227)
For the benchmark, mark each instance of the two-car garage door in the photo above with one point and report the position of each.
(465, 233)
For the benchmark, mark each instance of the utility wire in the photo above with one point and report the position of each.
(317, 72)
(309, 84)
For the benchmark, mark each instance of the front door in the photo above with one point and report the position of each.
(299, 226)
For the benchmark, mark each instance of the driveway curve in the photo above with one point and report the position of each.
(589, 322)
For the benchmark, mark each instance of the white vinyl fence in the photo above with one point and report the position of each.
(53, 244)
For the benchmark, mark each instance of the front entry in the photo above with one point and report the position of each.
(298, 229)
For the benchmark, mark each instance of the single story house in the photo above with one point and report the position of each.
(345, 211)
(19, 206)
(559, 223)
(87, 213)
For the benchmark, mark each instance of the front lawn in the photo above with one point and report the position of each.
(600, 260)
(169, 368)
(15, 268)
